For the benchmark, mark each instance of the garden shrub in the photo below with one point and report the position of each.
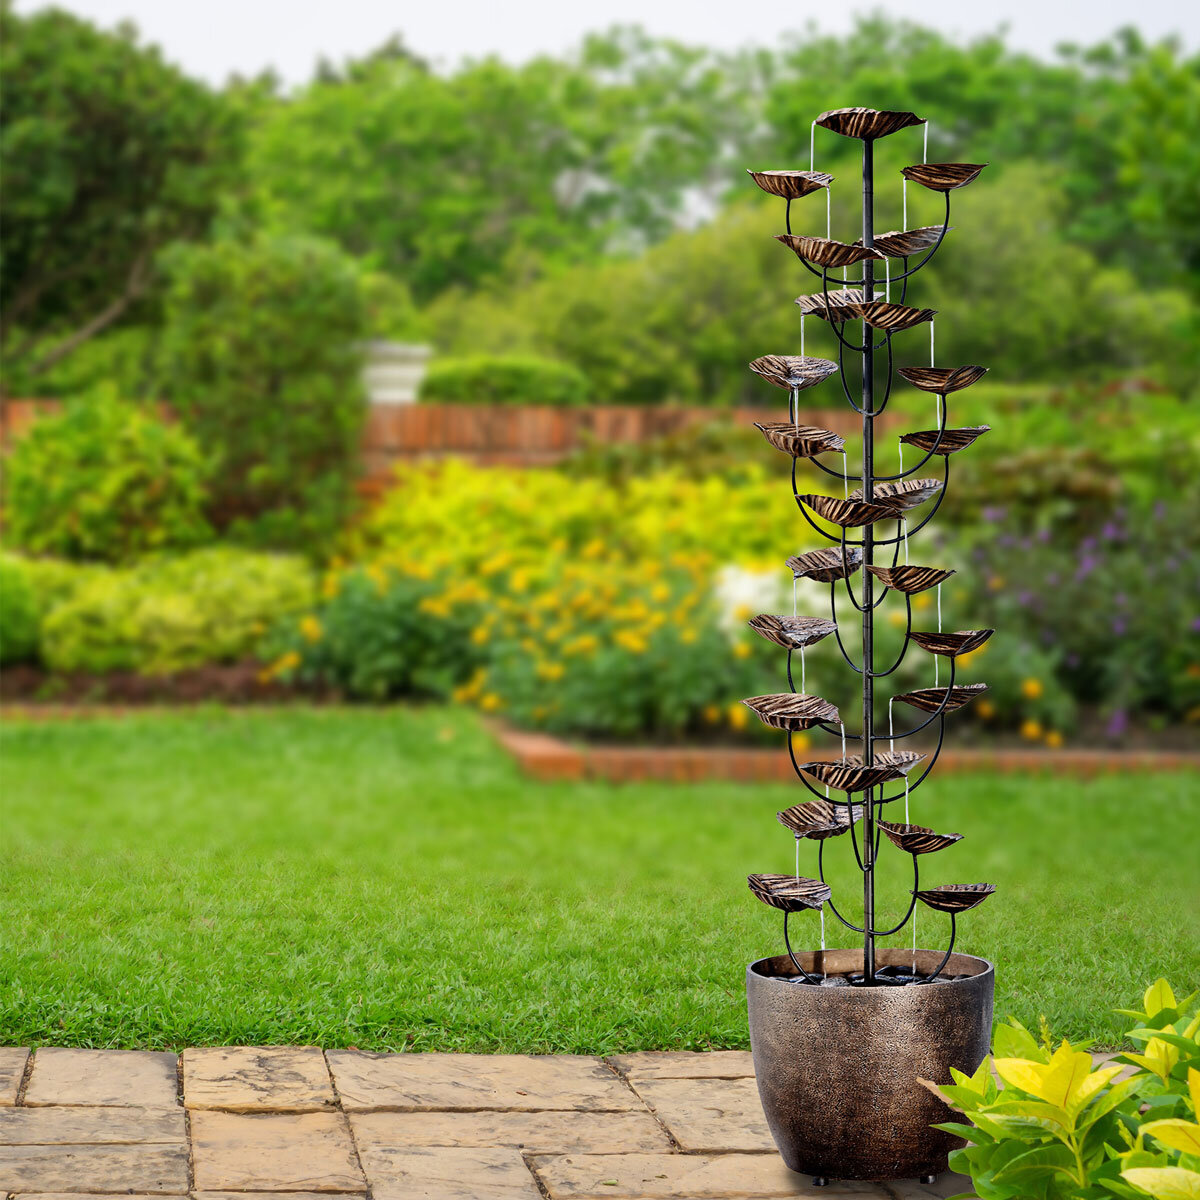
(105, 481)
(18, 613)
(503, 379)
(1062, 1128)
(260, 356)
(169, 613)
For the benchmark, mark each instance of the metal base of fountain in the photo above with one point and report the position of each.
(838, 1067)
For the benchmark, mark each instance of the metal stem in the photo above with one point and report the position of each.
(868, 608)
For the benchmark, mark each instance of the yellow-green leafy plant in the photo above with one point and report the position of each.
(1063, 1128)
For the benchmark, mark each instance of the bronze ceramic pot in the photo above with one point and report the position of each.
(837, 1067)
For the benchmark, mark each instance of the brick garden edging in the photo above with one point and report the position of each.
(548, 758)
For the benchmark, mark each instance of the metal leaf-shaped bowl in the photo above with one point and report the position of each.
(801, 441)
(952, 440)
(826, 252)
(894, 318)
(793, 372)
(901, 760)
(899, 497)
(951, 645)
(789, 893)
(792, 633)
(819, 819)
(867, 123)
(943, 380)
(851, 776)
(910, 578)
(792, 711)
(930, 699)
(849, 514)
(845, 304)
(943, 177)
(917, 839)
(790, 185)
(901, 243)
(955, 897)
(827, 564)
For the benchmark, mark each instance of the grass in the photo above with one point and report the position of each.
(386, 879)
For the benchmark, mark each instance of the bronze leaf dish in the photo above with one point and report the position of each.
(902, 243)
(951, 645)
(867, 123)
(848, 776)
(819, 819)
(844, 304)
(943, 380)
(791, 185)
(792, 711)
(951, 440)
(827, 564)
(899, 497)
(909, 578)
(792, 633)
(790, 893)
(894, 318)
(943, 177)
(902, 760)
(917, 839)
(955, 897)
(849, 514)
(801, 441)
(825, 252)
(793, 372)
(930, 699)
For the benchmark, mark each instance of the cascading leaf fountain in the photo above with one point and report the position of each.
(841, 1037)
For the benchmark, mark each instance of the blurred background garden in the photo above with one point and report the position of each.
(427, 384)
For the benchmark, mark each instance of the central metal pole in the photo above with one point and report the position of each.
(868, 612)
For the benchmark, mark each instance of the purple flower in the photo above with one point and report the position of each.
(1087, 564)
(1088, 543)
(1043, 535)
(1160, 510)
(1120, 600)
(1117, 723)
(1072, 660)
(1025, 599)
(1110, 532)
(1170, 564)
(1052, 578)
(1118, 625)
(1196, 624)
(994, 513)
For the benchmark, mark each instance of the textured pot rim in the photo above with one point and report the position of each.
(756, 974)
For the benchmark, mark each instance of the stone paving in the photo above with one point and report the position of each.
(297, 1123)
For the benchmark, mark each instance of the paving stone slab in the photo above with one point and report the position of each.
(12, 1071)
(140, 1078)
(92, 1126)
(124, 1196)
(273, 1151)
(156, 1170)
(709, 1115)
(274, 1196)
(710, 1177)
(533, 1132)
(477, 1081)
(685, 1064)
(257, 1079)
(449, 1173)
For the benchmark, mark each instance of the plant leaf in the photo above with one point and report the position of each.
(1055, 1160)
(1176, 1133)
(1165, 1183)
(1158, 996)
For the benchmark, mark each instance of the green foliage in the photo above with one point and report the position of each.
(1061, 1130)
(106, 481)
(553, 158)
(109, 153)
(260, 358)
(503, 379)
(678, 323)
(165, 614)
(19, 618)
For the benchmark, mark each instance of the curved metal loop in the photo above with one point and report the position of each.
(795, 961)
(928, 516)
(912, 787)
(802, 777)
(932, 453)
(949, 950)
(829, 537)
(838, 629)
(859, 928)
(904, 648)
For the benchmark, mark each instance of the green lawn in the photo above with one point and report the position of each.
(386, 879)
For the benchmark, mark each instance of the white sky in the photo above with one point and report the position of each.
(216, 37)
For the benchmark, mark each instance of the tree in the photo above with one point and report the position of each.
(109, 154)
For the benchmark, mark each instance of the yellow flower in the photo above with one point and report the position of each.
(986, 709)
(286, 662)
(660, 593)
(1054, 739)
(586, 643)
(742, 612)
(741, 650)
(996, 583)
(631, 641)
(330, 586)
(377, 577)
(489, 702)
(1031, 730)
(737, 715)
(479, 635)
(1031, 688)
(712, 714)
(921, 603)
(687, 636)
(553, 671)
(801, 741)
(310, 627)
(897, 618)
